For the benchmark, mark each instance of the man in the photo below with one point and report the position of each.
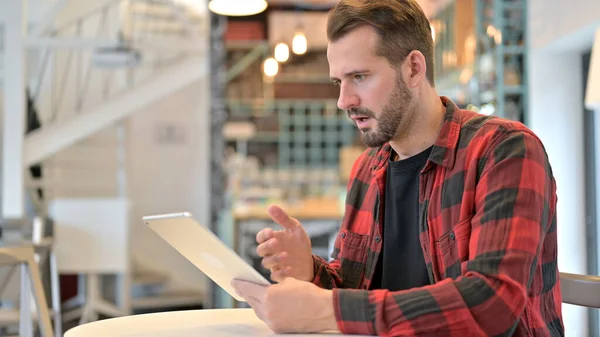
(450, 222)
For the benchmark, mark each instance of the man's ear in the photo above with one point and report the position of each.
(415, 68)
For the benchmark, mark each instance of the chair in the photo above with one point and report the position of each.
(24, 255)
(38, 233)
(581, 290)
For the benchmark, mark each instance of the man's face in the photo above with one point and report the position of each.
(371, 90)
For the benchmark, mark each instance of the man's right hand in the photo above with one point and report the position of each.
(287, 252)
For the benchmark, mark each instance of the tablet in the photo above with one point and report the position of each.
(204, 249)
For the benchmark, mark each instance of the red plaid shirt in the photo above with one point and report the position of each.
(487, 206)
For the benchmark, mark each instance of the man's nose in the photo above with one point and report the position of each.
(347, 99)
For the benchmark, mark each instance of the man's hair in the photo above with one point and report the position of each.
(401, 25)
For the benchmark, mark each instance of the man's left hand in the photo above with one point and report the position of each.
(290, 306)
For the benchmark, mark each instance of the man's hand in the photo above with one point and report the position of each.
(290, 306)
(287, 252)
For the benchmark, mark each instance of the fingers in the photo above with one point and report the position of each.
(264, 235)
(257, 308)
(249, 290)
(274, 261)
(281, 217)
(254, 295)
(271, 247)
(279, 275)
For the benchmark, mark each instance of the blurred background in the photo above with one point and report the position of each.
(116, 109)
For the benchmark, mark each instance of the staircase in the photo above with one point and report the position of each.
(83, 101)
(52, 138)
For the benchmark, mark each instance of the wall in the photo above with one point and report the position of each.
(431, 8)
(162, 176)
(283, 26)
(562, 24)
(556, 116)
(169, 172)
(559, 31)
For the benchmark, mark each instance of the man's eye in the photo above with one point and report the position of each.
(336, 83)
(359, 77)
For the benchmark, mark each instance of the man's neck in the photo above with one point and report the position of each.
(424, 130)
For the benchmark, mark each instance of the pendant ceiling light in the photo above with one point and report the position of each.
(299, 43)
(237, 7)
(282, 52)
(271, 67)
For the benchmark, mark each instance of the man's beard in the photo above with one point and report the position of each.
(391, 117)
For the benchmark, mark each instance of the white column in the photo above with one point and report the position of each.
(556, 115)
(13, 127)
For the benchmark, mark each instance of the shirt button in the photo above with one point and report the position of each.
(452, 236)
(343, 235)
(378, 239)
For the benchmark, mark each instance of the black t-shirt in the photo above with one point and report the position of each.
(401, 264)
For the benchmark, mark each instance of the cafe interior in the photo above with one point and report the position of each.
(113, 110)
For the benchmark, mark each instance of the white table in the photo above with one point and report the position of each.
(192, 323)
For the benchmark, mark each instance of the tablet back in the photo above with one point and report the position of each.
(204, 249)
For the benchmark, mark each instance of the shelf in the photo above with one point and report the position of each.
(303, 78)
(266, 136)
(508, 61)
(513, 50)
(514, 5)
(513, 89)
(244, 45)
